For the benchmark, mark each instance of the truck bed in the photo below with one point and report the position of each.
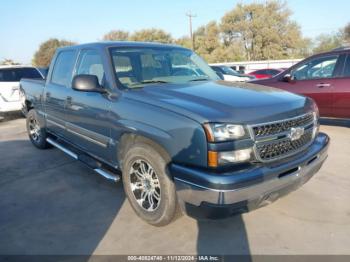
(32, 89)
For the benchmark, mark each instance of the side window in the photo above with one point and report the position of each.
(346, 72)
(261, 72)
(321, 67)
(90, 63)
(63, 68)
(272, 72)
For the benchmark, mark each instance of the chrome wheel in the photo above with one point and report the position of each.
(34, 129)
(145, 185)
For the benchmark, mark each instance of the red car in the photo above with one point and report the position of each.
(324, 77)
(265, 73)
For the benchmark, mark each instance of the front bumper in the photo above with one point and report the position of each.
(223, 194)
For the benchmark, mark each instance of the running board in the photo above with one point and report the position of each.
(102, 172)
(62, 148)
(106, 174)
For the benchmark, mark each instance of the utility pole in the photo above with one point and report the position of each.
(190, 16)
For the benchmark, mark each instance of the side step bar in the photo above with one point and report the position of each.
(65, 150)
(105, 173)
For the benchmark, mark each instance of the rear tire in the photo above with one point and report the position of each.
(148, 185)
(36, 132)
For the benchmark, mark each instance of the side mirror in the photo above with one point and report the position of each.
(288, 78)
(87, 83)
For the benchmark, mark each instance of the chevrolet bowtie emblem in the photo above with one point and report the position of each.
(296, 133)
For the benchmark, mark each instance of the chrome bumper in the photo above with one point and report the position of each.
(263, 192)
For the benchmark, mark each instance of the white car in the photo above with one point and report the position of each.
(228, 74)
(10, 100)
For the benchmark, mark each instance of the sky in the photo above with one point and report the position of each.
(24, 24)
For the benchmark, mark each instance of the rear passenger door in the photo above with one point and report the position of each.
(88, 124)
(57, 90)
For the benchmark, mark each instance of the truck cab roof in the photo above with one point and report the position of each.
(107, 44)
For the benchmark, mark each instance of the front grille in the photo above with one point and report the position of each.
(283, 126)
(282, 147)
(272, 140)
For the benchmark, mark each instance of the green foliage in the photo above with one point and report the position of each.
(347, 33)
(44, 54)
(7, 61)
(256, 31)
(152, 35)
(116, 35)
(327, 42)
(264, 30)
(184, 41)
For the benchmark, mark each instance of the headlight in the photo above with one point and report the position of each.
(316, 114)
(223, 132)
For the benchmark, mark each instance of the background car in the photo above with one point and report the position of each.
(324, 77)
(228, 74)
(9, 86)
(265, 73)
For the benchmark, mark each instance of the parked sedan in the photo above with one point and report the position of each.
(228, 74)
(324, 77)
(265, 73)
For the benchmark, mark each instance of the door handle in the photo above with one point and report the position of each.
(69, 100)
(322, 85)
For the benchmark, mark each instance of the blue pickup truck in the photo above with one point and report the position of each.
(159, 118)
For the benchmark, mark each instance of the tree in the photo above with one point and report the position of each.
(44, 54)
(347, 33)
(327, 42)
(210, 45)
(184, 41)
(152, 35)
(7, 61)
(207, 39)
(116, 35)
(264, 30)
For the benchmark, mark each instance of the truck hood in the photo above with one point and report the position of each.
(223, 101)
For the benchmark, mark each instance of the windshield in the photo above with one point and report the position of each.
(137, 67)
(229, 71)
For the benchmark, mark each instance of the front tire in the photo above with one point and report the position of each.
(148, 185)
(36, 132)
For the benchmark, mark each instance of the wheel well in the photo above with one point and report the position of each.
(127, 140)
(28, 105)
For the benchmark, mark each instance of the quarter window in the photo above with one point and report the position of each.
(62, 71)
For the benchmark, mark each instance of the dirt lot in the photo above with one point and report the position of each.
(51, 204)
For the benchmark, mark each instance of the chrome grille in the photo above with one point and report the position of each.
(282, 147)
(273, 140)
(283, 126)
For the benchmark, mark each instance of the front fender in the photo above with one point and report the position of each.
(182, 138)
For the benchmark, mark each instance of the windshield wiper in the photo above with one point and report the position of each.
(154, 82)
(198, 79)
